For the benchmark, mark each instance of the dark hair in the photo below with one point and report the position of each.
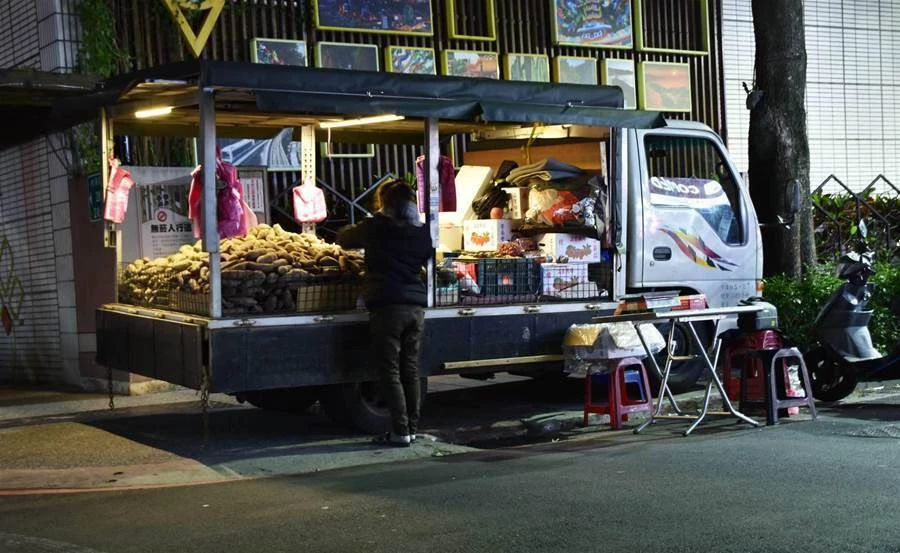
(394, 194)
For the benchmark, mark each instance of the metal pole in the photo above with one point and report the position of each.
(210, 204)
(308, 165)
(111, 235)
(433, 194)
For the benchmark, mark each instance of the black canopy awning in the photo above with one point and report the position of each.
(262, 98)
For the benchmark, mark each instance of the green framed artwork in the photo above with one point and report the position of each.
(278, 52)
(592, 23)
(471, 63)
(332, 150)
(621, 73)
(409, 17)
(702, 42)
(487, 16)
(527, 67)
(664, 86)
(344, 55)
(410, 60)
(575, 70)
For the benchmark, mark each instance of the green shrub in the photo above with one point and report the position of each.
(799, 299)
(885, 325)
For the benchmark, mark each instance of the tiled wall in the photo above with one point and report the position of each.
(43, 342)
(853, 105)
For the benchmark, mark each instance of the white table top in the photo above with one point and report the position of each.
(706, 314)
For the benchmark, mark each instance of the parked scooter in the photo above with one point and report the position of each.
(844, 354)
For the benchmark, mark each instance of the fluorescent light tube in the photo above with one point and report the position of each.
(360, 121)
(153, 112)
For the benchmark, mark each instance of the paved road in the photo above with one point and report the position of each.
(829, 485)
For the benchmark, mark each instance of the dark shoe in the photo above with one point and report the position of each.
(391, 439)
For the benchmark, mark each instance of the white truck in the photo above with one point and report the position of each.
(680, 219)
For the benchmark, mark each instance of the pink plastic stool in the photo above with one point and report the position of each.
(619, 405)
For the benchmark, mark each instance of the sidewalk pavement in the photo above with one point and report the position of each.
(55, 441)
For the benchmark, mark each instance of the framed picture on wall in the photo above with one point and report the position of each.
(480, 25)
(278, 52)
(575, 70)
(407, 59)
(471, 63)
(694, 41)
(406, 17)
(593, 23)
(280, 153)
(621, 73)
(527, 67)
(664, 86)
(344, 55)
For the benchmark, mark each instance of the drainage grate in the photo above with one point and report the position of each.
(885, 431)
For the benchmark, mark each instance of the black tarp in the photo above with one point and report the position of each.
(334, 92)
(288, 89)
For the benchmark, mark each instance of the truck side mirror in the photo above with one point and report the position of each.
(791, 203)
(792, 199)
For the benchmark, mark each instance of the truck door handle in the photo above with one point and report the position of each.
(662, 253)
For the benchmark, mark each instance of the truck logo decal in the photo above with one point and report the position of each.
(697, 251)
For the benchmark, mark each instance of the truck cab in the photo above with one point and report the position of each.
(690, 222)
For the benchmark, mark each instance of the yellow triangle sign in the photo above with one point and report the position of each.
(195, 41)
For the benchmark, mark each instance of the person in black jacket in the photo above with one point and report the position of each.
(396, 247)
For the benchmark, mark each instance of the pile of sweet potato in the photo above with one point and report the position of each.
(261, 272)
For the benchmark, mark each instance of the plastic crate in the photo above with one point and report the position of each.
(600, 273)
(508, 276)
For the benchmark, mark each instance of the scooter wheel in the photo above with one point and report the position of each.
(832, 379)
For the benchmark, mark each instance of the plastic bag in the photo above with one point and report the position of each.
(230, 217)
(587, 348)
(447, 180)
(120, 184)
(309, 204)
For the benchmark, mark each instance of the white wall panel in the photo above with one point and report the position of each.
(853, 54)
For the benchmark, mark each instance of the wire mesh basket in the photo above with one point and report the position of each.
(325, 295)
(189, 302)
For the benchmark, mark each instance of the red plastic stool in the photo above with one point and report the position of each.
(619, 405)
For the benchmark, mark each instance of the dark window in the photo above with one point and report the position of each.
(691, 173)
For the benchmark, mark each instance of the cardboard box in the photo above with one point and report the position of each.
(567, 281)
(450, 237)
(485, 235)
(575, 247)
(518, 202)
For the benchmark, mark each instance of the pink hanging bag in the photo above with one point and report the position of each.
(120, 183)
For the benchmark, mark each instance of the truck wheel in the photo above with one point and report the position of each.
(683, 375)
(286, 400)
(361, 405)
(831, 379)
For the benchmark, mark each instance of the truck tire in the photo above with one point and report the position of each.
(831, 379)
(683, 375)
(361, 405)
(285, 400)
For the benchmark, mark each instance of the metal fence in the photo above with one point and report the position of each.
(837, 215)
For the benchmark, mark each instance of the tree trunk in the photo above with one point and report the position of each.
(779, 150)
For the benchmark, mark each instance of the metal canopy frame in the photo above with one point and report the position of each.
(208, 107)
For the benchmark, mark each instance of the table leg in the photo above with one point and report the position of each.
(664, 383)
(711, 369)
(659, 372)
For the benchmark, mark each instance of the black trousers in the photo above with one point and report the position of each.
(396, 333)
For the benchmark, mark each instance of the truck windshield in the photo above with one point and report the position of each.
(691, 173)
